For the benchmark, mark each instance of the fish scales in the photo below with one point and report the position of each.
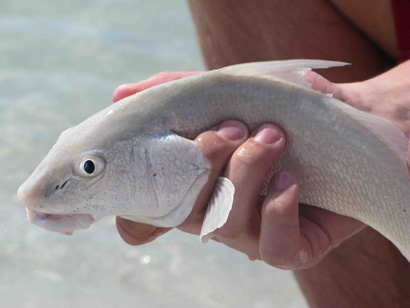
(259, 101)
(345, 161)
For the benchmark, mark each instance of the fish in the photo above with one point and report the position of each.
(136, 158)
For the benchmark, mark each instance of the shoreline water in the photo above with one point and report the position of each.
(59, 63)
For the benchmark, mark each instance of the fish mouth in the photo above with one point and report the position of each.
(61, 223)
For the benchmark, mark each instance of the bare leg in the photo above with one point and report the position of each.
(366, 270)
(237, 31)
(374, 18)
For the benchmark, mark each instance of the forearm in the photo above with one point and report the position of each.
(365, 271)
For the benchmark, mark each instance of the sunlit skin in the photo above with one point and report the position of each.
(364, 271)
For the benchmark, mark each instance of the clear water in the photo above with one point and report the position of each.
(60, 61)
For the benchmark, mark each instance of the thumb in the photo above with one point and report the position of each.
(320, 83)
(345, 92)
(134, 233)
(128, 89)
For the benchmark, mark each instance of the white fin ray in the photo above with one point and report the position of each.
(218, 209)
(289, 70)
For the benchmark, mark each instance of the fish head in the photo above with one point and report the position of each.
(92, 172)
(64, 192)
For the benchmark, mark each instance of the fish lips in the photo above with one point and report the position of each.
(62, 223)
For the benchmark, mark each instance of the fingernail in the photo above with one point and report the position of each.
(268, 134)
(232, 130)
(283, 180)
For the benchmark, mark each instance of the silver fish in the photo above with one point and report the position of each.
(135, 158)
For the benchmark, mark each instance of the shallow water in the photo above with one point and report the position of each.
(60, 61)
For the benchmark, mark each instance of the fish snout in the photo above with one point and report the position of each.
(34, 195)
(44, 182)
(29, 195)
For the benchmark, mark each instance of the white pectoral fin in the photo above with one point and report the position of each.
(218, 209)
(289, 70)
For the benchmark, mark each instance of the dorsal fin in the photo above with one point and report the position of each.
(290, 70)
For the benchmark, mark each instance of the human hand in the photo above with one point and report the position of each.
(386, 95)
(279, 232)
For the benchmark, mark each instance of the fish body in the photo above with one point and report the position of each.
(146, 168)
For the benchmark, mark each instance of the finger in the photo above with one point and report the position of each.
(217, 145)
(343, 92)
(337, 227)
(298, 236)
(247, 170)
(128, 89)
(134, 233)
(279, 236)
(319, 83)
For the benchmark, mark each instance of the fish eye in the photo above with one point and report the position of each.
(89, 165)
